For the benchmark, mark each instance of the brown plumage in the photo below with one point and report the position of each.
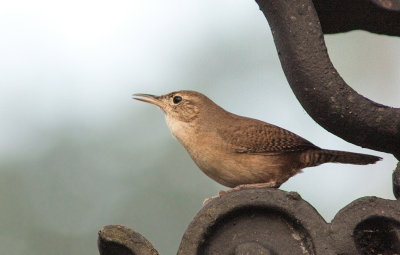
(235, 150)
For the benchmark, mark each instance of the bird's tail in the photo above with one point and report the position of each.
(317, 157)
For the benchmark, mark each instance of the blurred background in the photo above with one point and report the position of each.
(77, 153)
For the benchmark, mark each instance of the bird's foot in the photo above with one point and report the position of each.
(256, 185)
(242, 186)
(251, 186)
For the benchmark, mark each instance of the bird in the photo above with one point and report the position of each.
(241, 152)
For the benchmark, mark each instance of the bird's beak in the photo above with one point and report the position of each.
(148, 99)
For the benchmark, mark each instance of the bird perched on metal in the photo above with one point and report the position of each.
(238, 151)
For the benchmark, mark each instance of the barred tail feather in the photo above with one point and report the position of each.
(317, 157)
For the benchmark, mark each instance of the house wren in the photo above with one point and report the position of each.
(238, 151)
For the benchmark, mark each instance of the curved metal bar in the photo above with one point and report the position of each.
(318, 86)
(376, 16)
(117, 239)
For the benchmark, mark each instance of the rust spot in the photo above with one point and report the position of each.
(386, 3)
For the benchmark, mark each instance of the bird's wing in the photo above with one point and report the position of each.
(263, 138)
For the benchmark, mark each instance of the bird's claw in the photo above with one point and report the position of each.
(240, 187)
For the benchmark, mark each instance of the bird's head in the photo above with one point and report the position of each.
(184, 105)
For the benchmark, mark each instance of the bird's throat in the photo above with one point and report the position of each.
(183, 131)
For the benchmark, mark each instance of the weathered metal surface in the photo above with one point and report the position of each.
(369, 225)
(271, 221)
(120, 240)
(376, 16)
(317, 85)
(396, 181)
(266, 220)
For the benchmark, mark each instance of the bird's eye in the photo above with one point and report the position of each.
(177, 99)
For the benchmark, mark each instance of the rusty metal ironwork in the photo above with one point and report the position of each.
(271, 221)
(317, 85)
(120, 240)
(396, 181)
(376, 16)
